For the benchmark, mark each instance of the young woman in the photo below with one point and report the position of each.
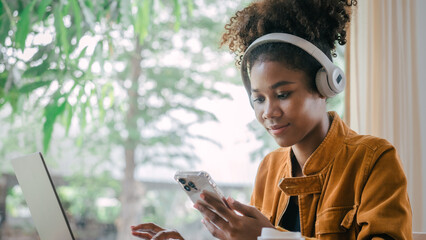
(325, 181)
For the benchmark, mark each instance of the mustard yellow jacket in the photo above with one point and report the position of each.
(353, 187)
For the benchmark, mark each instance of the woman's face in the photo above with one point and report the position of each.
(284, 104)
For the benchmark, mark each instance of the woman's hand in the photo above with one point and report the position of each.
(154, 232)
(239, 221)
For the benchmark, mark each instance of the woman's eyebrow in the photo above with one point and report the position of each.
(276, 85)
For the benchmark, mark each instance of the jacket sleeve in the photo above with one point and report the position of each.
(256, 199)
(384, 211)
(258, 194)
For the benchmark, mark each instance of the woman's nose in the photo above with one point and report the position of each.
(271, 110)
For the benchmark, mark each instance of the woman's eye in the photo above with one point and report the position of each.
(258, 100)
(283, 95)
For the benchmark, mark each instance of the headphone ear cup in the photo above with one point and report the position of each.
(321, 81)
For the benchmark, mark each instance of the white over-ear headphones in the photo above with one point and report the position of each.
(330, 79)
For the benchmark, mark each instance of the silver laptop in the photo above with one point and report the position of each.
(39, 192)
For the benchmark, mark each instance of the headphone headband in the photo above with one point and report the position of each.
(334, 81)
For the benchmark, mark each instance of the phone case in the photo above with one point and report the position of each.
(194, 182)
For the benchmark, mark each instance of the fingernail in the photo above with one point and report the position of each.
(231, 200)
(202, 196)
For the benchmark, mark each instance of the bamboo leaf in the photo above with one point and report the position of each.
(7, 21)
(138, 21)
(61, 107)
(1, 13)
(42, 8)
(12, 97)
(41, 52)
(177, 13)
(87, 13)
(82, 114)
(190, 7)
(36, 71)
(96, 52)
(3, 79)
(23, 26)
(4, 28)
(123, 9)
(27, 88)
(51, 111)
(65, 8)
(77, 17)
(142, 19)
(89, 4)
(80, 55)
(47, 132)
(68, 119)
(61, 31)
(145, 19)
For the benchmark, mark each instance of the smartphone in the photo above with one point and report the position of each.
(195, 182)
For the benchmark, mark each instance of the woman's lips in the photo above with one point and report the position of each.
(278, 129)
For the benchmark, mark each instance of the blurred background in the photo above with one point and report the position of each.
(118, 95)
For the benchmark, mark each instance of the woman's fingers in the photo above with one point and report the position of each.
(217, 204)
(154, 232)
(167, 234)
(146, 230)
(235, 221)
(147, 227)
(143, 235)
(209, 214)
(216, 232)
(246, 210)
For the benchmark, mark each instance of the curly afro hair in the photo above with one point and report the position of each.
(322, 22)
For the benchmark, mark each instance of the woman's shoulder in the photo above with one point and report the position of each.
(366, 141)
(367, 150)
(343, 132)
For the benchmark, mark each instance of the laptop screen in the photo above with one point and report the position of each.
(41, 197)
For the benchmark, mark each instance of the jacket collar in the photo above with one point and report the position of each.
(329, 147)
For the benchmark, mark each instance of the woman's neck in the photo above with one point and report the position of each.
(304, 149)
